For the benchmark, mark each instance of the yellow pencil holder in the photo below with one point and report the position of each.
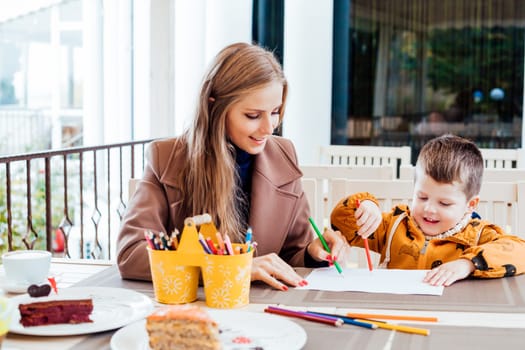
(172, 284)
(175, 273)
(227, 279)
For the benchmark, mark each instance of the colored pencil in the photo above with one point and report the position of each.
(249, 239)
(392, 317)
(164, 241)
(222, 248)
(367, 248)
(397, 327)
(148, 240)
(347, 320)
(228, 244)
(326, 247)
(175, 240)
(334, 321)
(210, 244)
(204, 245)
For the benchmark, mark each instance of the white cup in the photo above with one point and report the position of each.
(26, 267)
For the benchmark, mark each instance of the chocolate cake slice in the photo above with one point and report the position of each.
(55, 312)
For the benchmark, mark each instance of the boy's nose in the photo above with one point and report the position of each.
(429, 208)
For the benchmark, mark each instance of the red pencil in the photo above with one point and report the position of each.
(148, 240)
(367, 248)
(334, 321)
(211, 245)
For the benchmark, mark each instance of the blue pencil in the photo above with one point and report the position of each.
(347, 320)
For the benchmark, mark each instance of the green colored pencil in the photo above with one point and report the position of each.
(326, 247)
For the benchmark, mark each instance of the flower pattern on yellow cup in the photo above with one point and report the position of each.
(172, 283)
(227, 280)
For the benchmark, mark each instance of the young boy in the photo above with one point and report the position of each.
(437, 232)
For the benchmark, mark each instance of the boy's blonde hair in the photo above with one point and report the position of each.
(449, 158)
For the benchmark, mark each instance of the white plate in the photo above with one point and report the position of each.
(269, 332)
(112, 308)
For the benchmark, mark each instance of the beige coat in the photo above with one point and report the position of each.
(279, 209)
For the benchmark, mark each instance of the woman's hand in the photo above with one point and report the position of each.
(368, 217)
(337, 243)
(448, 273)
(272, 270)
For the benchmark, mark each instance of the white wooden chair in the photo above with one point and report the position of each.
(317, 183)
(365, 155)
(406, 172)
(498, 158)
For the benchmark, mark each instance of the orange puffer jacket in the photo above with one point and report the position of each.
(402, 244)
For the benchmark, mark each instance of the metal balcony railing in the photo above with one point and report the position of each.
(67, 201)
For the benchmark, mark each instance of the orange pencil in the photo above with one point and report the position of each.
(367, 248)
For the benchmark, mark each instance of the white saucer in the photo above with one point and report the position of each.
(15, 288)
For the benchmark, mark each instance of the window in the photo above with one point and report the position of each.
(419, 69)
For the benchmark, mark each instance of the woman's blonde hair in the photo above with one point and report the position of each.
(209, 177)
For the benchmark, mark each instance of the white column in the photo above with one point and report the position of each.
(161, 102)
(308, 26)
(227, 22)
(93, 112)
(189, 55)
(117, 70)
(202, 28)
(56, 122)
(142, 118)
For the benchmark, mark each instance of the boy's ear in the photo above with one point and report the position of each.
(473, 203)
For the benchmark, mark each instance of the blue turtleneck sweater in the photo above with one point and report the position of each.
(244, 165)
(244, 162)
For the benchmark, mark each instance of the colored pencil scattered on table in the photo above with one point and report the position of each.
(347, 320)
(367, 248)
(375, 317)
(334, 321)
(367, 322)
(397, 327)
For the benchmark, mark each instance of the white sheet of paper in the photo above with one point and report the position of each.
(376, 281)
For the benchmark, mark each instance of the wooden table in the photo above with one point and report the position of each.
(474, 314)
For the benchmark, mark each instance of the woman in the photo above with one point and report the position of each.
(228, 164)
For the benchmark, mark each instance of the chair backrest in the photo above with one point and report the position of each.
(406, 172)
(365, 155)
(387, 192)
(502, 203)
(317, 183)
(498, 158)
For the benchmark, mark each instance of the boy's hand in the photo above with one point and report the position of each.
(368, 217)
(448, 273)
